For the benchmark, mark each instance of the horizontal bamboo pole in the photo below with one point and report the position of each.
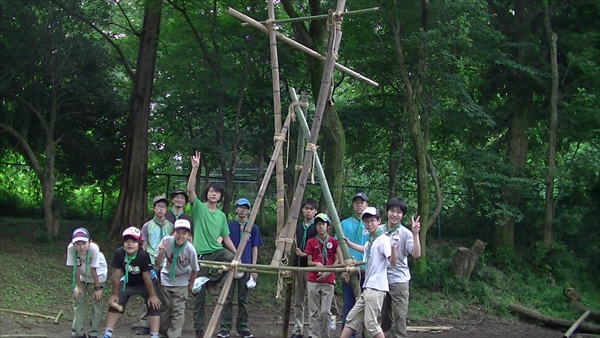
(428, 328)
(244, 18)
(28, 313)
(322, 16)
(330, 268)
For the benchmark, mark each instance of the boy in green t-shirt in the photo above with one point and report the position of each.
(210, 234)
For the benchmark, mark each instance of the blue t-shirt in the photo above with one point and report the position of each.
(236, 231)
(355, 231)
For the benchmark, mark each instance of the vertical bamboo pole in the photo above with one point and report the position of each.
(335, 219)
(301, 139)
(335, 35)
(277, 115)
(214, 319)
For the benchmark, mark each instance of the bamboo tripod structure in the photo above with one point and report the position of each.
(285, 241)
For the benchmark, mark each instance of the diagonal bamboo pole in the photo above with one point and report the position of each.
(214, 319)
(335, 219)
(244, 18)
(335, 36)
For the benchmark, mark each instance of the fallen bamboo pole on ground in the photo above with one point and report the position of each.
(575, 325)
(27, 313)
(23, 335)
(549, 321)
(428, 328)
(57, 317)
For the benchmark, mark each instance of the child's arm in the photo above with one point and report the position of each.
(393, 259)
(153, 301)
(115, 279)
(254, 260)
(354, 246)
(78, 286)
(339, 258)
(311, 263)
(162, 248)
(416, 227)
(97, 289)
(229, 244)
(193, 276)
(191, 189)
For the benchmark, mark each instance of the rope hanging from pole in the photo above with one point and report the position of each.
(312, 147)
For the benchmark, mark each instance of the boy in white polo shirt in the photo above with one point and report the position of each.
(89, 268)
(177, 276)
(378, 254)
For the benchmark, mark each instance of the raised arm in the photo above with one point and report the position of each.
(191, 186)
(354, 246)
(416, 227)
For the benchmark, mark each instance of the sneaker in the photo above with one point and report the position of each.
(143, 331)
(245, 334)
(223, 334)
(212, 289)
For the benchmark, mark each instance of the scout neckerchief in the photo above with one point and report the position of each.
(176, 252)
(87, 262)
(305, 227)
(389, 230)
(160, 226)
(369, 243)
(323, 243)
(359, 231)
(128, 260)
(242, 226)
(176, 215)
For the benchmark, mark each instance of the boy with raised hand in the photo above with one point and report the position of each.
(89, 268)
(132, 274)
(322, 250)
(210, 234)
(179, 198)
(177, 277)
(153, 232)
(378, 255)
(355, 231)
(395, 304)
(249, 256)
(305, 230)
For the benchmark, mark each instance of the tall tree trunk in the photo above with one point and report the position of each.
(132, 204)
(549, 202)
(394, 159)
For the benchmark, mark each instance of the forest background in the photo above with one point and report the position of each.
(486, 119)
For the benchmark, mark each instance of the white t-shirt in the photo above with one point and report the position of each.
(95, 258)
(376, 271)
(187, 260)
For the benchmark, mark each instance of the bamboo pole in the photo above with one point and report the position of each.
(27, 313)
(335, 220)
(328, 268)
(23, 335)
(247, 230)
(322, 16)
(244, 18)
(277, 116)
(287, 307)
(428, 328)
(575, 325)
(301, 138)
(335, 35)
(57, 317)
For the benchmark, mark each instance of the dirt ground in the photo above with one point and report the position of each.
(267, 322)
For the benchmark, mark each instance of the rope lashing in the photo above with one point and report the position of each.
(298, 167)
(233, 266)
(312, 147)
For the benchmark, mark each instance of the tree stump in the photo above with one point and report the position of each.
(465, 260)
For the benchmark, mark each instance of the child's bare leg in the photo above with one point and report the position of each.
(111, 319)
(154, 323)
(347, 332)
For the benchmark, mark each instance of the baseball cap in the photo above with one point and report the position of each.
(179, 192)
(242, 201)
(370, 211)
(182, 224)
(361, 195)
(80, 235)
(323, 217)
(159, 199)
(132, 232)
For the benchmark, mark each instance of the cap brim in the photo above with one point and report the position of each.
(80, 239)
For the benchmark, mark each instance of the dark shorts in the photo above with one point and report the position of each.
(131, 290)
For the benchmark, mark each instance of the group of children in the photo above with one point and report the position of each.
(160, 263)
(383, 247)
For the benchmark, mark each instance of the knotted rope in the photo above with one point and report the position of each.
(312, 147)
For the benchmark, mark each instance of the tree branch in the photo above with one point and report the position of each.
(28, 151)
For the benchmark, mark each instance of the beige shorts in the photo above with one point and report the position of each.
(366, 310)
